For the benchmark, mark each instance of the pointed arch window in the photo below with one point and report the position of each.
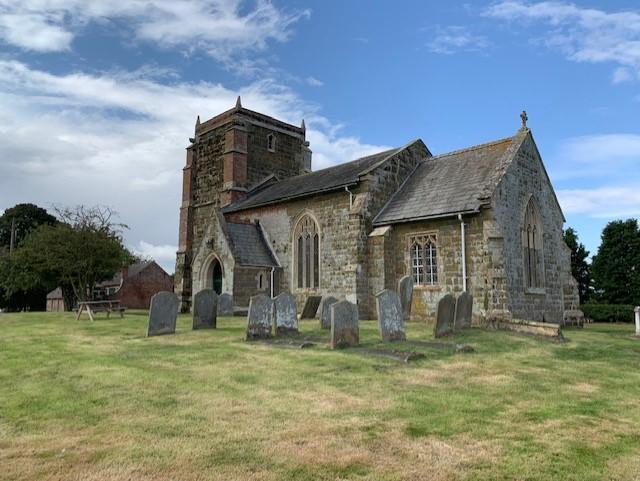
(532, 247)
(271, 143)
(423, 255)
(306, 253)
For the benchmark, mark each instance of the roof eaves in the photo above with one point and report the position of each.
(428, 217)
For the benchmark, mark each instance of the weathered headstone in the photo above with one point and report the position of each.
(390, 316)
(311, 307)
(464, 306)
(259, 317)
(286, 314)
(405, 291)
(637, 317)
(444, 316)
(163, 313)
(225, 305)
(205, 309)
(344, 325)
(325, 311)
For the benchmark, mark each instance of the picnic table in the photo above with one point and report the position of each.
(92, 307)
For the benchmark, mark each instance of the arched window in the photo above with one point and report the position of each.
(532, 247)
(271, 143)
(306, 253)
(423, 255)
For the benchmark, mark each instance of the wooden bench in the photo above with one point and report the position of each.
(92, 307)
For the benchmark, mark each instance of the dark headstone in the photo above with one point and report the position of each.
(325, 312)
(311, 307)
(163, 314)
(259, 317)
(444, 316)
(390, 317)
(405, 292)
(464, 305)
(286, 314)
(205, 308)
(344, 325)
(225, 305)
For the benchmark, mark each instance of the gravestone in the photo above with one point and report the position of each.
(311, 307)
(637, 319)
(286, 314)
(390, 316)
(325, 312)
(225, 305)
(344, 325)
(444, 316)
(205, 309)
(405, 291)
(464, 305)
(259, 317)
(163, 313)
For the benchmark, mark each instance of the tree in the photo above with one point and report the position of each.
(616, 266)
(24, 218)
(580, 268)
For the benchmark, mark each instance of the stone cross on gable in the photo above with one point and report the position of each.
(524, 118)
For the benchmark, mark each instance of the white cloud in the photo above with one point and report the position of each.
(602, 202)
(582, 34)
(222, 28)
(164, 255)
(314, 82)
(118, 139)
(452, 39)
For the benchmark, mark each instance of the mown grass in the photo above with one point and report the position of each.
(99, 401)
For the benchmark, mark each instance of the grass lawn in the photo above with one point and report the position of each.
(99, 401)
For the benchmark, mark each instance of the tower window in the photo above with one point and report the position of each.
(271, 143)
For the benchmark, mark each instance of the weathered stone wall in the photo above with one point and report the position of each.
(285, 162)
(246, 284)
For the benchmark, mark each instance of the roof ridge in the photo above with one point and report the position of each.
(473, 147)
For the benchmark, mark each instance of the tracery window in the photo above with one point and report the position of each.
(532, 247)
(306, 253)
(423, 255)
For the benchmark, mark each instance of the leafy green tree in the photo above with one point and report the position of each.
(616, 266)
(25, 218)
(580, 268)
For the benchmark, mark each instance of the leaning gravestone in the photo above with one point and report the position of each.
(259, 317)
(205, 309)
(344, 325)
(286, 314)
(225, 305)
(390, 316)
(464, 305)
(163, 314)
(405, 291)
(444, 316)
(325, 312)
(311, 307)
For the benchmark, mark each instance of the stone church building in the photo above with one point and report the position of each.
(255, 218)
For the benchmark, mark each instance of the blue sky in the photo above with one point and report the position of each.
(98, 99)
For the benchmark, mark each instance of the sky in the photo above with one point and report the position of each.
(98, 98)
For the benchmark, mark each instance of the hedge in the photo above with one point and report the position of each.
(608, 312)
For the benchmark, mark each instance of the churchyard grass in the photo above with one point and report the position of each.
(99, 401)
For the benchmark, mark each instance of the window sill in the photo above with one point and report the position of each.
(422, 287)
(535, 291)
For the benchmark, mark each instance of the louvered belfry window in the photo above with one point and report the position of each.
(423, 255)
(306, 253)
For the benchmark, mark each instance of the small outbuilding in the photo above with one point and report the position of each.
(55, 300)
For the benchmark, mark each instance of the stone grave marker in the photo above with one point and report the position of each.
(405, 291)
(260, 317)
(344, 325)
(225, 305)
(311, 307)
(325, 311)
(163, 314)
(390, 316)
(464, 305)
(205, 309)
(637, 319)
(444, 316)
(286, 314)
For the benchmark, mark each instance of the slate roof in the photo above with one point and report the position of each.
(448, 184)
(249, 245)
(324, 180)
(55, 294)
(133, 270)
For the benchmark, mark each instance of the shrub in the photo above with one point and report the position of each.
(608, 312)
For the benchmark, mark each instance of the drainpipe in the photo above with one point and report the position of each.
(350, 196)
(464, 254)
(272, 271)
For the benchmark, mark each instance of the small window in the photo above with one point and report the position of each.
(260, 281)
(423, 259)
(271, 143)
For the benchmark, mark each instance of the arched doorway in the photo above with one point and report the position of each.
(216, 273)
